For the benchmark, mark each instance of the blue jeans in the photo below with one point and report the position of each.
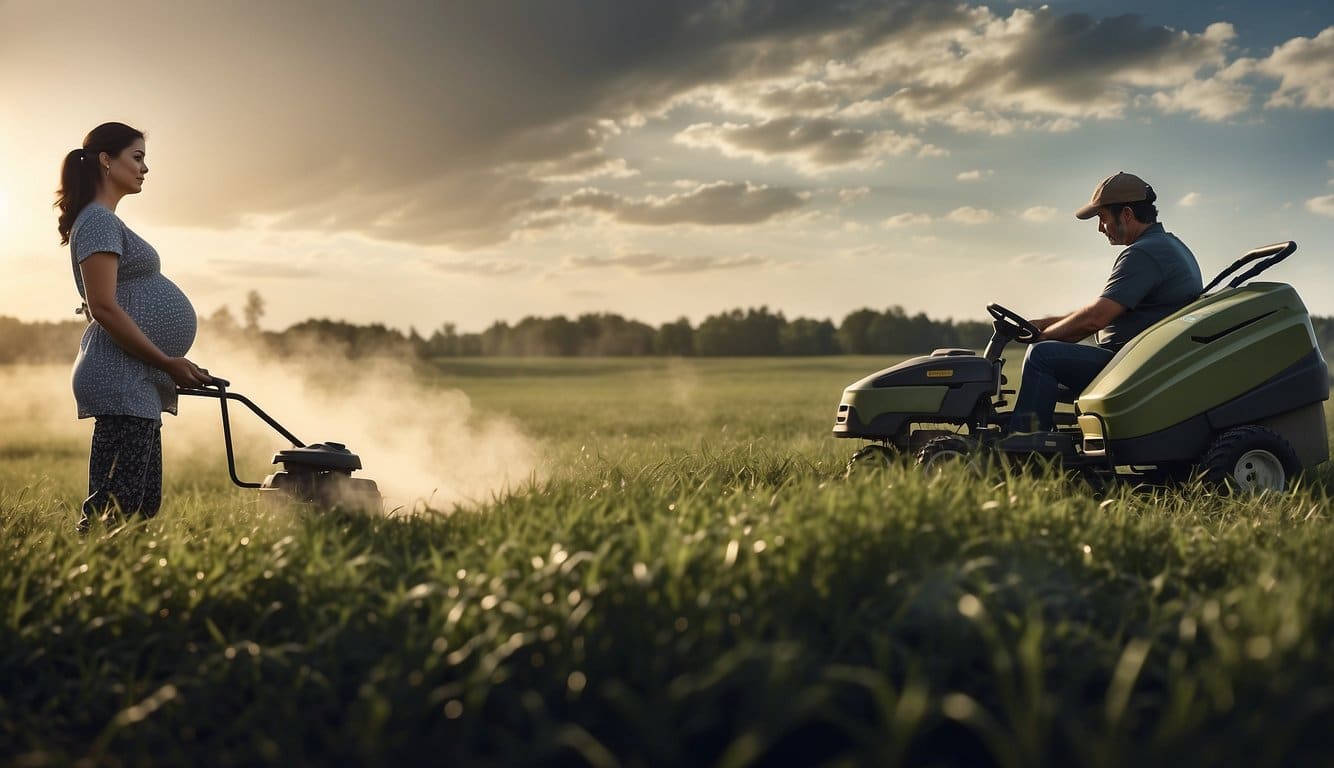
(1054, 371)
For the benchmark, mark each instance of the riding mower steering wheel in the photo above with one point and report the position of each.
(1013, 325)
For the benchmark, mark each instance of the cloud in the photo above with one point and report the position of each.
(1323, 205)
(720, 203)
(632, 261)
(434, 123)
(852, 194)
(974, 175)
(250, 268)
(1189, 200)
(970, 215)
(462, 209)
(1305, 69)
(1073, 64)
(583, 167)
(481, 267)
(809, 98)
(906, 220)
(1037, 70)
(1215, 99)
(457, 123)
(809, 145)
(1036, 260)
(1038, 214)
(659, 264)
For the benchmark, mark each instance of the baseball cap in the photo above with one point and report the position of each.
(1120, 187)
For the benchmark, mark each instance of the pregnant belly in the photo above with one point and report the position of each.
(163, 312)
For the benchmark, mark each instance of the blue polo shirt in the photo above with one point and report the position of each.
(1153, 277)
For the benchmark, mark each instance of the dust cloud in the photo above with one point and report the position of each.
(425, 446)
(682, 385)
(38, 406)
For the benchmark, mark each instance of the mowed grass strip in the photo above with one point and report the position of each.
(686, 595)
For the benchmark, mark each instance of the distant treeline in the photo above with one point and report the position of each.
(737, 332)
(733, 333)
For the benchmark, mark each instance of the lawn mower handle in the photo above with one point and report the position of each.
(218, 389)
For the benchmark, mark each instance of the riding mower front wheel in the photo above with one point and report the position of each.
(871, 457)
(942, 453)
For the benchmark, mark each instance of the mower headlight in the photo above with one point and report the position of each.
(1095, 443)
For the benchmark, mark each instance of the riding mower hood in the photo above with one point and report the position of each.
(1232, 387)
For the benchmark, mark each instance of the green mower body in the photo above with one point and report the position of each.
(899, 405)
(1231, 374)
(1242, 356)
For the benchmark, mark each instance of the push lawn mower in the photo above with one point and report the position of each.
(1231, 386)
(319, 475)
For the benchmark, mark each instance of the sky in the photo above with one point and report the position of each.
(424, 163)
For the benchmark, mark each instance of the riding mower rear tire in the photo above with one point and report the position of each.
(1250, 459)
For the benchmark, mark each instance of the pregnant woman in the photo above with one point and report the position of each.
(131, 358)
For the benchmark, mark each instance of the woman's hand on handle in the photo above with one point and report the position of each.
(186, 374)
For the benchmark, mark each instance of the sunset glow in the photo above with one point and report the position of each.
(471, 162)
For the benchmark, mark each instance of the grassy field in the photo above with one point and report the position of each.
(685, 578)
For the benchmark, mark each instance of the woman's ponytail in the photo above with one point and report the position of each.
(78, 185)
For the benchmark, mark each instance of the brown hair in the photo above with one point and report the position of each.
(1144, 211)
(78, 174)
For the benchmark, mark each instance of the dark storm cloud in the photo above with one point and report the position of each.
(446, 123)
(1072, 55)
(439, 122)
(1068, 64)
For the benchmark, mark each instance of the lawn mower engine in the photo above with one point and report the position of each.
(317, 475)
(321, 474)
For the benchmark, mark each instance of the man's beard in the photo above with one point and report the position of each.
(1116, 232)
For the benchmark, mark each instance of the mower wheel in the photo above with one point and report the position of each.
(1250, 459)
(937, 456)
(873, 456)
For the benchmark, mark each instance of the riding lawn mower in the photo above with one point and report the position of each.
(1231, 387)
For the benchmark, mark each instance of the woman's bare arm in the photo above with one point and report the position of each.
(99, 286)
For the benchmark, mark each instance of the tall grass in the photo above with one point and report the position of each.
(687, 596)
